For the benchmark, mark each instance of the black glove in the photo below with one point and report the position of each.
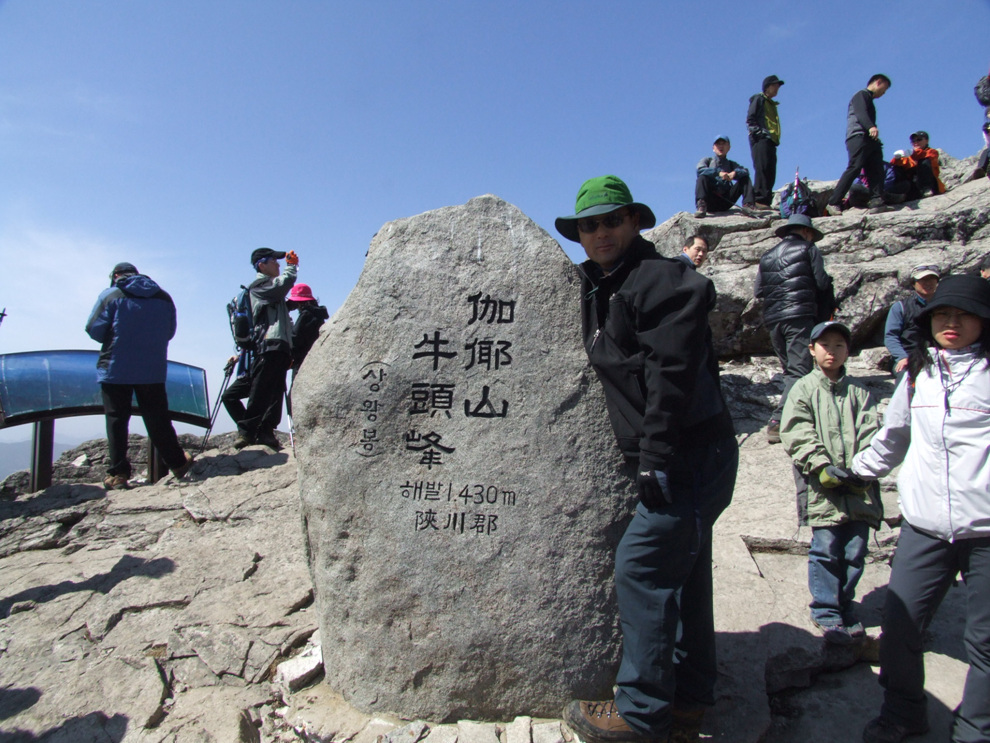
(847, 478)
(654, 491)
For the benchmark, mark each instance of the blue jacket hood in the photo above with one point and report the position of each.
(139, 286)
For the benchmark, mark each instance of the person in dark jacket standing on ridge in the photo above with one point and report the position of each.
(134, 320)
(645, 325)
(863, 145)
(763, 123)
(797, 294)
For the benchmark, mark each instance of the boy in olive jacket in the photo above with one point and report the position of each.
(829, 418)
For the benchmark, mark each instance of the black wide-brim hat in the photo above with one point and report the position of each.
(798, 220)
(967, 293)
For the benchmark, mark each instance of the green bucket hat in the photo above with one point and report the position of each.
(600, 196)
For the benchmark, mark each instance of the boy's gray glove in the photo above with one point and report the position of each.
(654, 490)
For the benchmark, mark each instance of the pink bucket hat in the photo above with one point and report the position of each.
(301, 293)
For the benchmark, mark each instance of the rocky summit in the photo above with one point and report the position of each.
(185, 610)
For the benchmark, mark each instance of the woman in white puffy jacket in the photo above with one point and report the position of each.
(938, 425)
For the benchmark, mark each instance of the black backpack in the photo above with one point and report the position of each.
(244, 326)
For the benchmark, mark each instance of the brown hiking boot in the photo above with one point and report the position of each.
(773, 432)
(600, 722)
(241, 441)
(702, 208)
(115, 482)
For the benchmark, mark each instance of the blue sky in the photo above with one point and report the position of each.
(181, 135)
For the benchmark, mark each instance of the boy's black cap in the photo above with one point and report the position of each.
(822, 327)
(260, 253)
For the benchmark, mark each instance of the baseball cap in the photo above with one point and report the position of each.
(257, 255)
(822, 327)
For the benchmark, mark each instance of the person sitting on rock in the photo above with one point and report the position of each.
(918, 171)
(900, 334)
(828, 418)
(694, 252)
(721, 181)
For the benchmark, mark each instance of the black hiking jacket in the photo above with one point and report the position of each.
(646, 332)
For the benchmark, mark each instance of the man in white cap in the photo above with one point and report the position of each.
(900, 334)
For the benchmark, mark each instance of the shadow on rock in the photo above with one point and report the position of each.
(56, 497)
(14, 701)
(127, 567)
(94, 727)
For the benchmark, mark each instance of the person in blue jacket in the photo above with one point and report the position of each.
(134, 320)
(721, 181)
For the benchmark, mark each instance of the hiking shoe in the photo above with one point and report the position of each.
(876, 206)
(882, 730)
(702, 208)
(269, 439)
(836, 634)
(600, 722)
(855, 629)
(833, 210)
(773, 432)
(116, 482)
(764, 207)
(182, 469)
(685, 726)
(241, 441)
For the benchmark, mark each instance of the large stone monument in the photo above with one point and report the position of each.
(459, 480)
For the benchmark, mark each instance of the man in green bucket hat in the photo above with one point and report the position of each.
(645, 326)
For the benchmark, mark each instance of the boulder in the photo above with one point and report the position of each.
(459, 481)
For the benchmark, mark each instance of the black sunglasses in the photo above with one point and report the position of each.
(589, 225)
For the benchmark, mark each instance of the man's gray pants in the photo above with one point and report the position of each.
(663, 581)
(790, 339)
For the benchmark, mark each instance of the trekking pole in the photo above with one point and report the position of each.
(228, 372)
(292, 426)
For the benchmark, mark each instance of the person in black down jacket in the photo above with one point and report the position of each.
(645, 327)
(797, 294)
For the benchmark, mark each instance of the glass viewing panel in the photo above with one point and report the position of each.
(36, 385)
